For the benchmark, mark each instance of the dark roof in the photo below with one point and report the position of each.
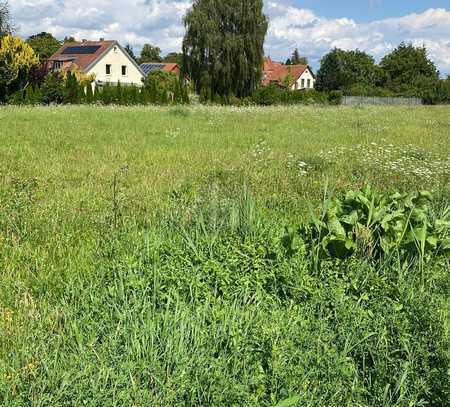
(151, 66)
(159, 66)
(83, 54)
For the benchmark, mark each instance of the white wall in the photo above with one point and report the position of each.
(307, 75)
(116, 58)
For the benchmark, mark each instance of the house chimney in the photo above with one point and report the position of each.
(102, 39)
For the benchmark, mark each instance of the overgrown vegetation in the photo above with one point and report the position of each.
(189, 256)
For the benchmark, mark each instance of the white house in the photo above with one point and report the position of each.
(298, 76)
(107, 60)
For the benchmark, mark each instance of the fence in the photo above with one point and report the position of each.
(364, 100)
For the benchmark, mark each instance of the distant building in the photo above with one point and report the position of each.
(174, 68)
(107, 60)
(149, 67)
(298, 76)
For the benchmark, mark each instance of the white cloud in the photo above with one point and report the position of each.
(316, 35)
(160, 22)
(134, 21)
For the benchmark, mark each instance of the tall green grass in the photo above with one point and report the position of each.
(142, 265)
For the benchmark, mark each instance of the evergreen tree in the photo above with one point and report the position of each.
(134, 95)
(72, 92)
(97, 95)
(296, 59)
(145, 97)
(107, 94)
(118, 97)
(224, 42)
(130, 51)
(89, 94)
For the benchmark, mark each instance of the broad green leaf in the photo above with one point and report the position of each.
(289, 402)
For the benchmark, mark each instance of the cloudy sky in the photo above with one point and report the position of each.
(314, 26)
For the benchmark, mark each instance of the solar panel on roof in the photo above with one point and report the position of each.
(83, 49)
(147, 68)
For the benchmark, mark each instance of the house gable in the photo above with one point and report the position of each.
(276, 72)
(124, 52)
(92, 57)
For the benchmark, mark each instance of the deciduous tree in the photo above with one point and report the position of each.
(44, 45)
(17, 58)
(5, 18)
(174, 57)
(223, 46)
(150, 53)
(408, 67)
(340, 70)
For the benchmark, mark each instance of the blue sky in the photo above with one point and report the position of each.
(369, 10)
(313, 26)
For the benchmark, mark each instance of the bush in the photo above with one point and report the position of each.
(335, 97)
(165, 88)
(375, 224)
(266, 96)
(17, 98)
(52, 90)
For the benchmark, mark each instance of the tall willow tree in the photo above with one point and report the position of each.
(5, 18)
(223, 46)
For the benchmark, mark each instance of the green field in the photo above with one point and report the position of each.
(123, 281)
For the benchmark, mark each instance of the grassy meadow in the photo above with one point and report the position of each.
(124, 280)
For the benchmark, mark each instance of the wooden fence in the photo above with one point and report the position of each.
(364, 100)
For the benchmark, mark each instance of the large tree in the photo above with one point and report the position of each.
(408, 67)
(223, 46)
(17, 58)
(174, 57)
(44, 45)
(69, 39)
(340, 70)
(5, 18)
(150, 53)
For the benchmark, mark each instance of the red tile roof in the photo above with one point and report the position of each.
(276, 72)
(170, 67)
(82, 61)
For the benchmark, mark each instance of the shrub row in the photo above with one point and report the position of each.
(57, 89)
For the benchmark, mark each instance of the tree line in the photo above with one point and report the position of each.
(222, 54)
(406, 71)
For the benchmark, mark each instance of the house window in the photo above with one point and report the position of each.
(303, 83)
(308, 84)
(57, 65)
(108, 69)
(124, 70)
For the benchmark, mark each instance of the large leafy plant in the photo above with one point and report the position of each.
(371, 223)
